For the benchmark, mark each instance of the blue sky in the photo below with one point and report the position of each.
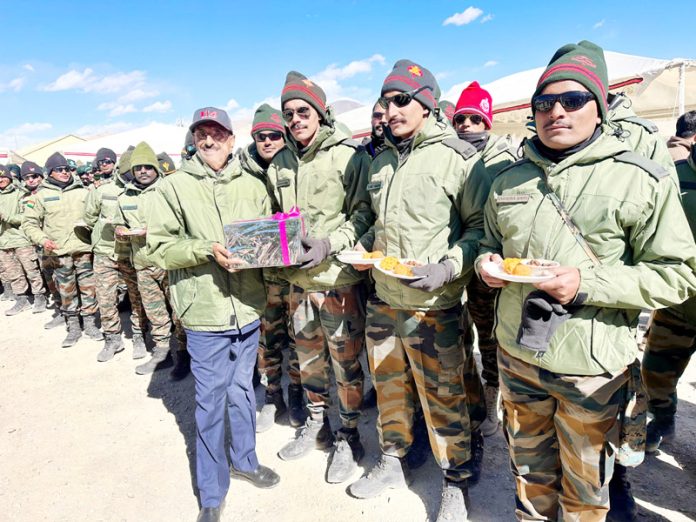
(94, 67)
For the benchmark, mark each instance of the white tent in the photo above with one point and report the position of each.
(161, 137)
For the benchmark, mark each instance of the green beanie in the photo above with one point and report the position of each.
(143, 155)
(299, 87)
(447, 108)
(267, 118)
(583, 62)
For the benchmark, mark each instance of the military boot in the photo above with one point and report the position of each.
(622, 506)
(159, 354)
(490, 425)
(455, 496)
(389, 473)
(476, 456)
(298, 412)
(39, 304)
(7, 294)
(346, 455)
(316, 433)
(21, 304)
(271, 411)
(57, 321)
(74, 331)
(139, 348)
(91, 330)
(660, 429)
(182, 365)
(112, 346)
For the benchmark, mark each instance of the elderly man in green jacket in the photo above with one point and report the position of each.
(323, 172)
(427, 190)
(218, 306)
(613, 221)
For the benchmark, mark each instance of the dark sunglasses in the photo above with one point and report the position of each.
(273, 136)
(60, 170)
(302, 112)
(105, 162)
(32, 176)
(401, 99)
(570, 101)
(475, 119)
(138, 168)
(377, 115)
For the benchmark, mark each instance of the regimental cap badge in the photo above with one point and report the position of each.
(165, 164)
(415, 70)
(584, 60)
(308, 82)
(485, 106)
(275, 117)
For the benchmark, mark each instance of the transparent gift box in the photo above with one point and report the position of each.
(266, 242)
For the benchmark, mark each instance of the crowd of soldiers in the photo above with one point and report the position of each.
(594, 189)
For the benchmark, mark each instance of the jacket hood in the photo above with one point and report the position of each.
(249, 159)
(327, 137)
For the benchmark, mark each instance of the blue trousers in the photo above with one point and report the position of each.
(222, 364)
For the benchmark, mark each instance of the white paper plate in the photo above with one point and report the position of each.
(496, 270)
(352, 257)
(392, 274)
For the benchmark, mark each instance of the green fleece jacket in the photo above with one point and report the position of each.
(328, 183)
(497, 154)
(428, 201)
(11, 213)
(628, 211)
(53, 213)
(186, 217)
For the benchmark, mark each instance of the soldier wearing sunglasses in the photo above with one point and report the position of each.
(427, 190)
(567, 357)
(324, 173)
(374, 143)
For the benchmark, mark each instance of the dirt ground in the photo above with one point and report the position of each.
(82, 440)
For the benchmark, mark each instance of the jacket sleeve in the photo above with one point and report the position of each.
(664, 260)
(168, 245)
(92, 207)
(357, 205)
(470, 203)
(15, 217)
(33, 221)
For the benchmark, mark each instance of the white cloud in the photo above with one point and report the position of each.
(329, 78)
(28, 67)
(490, 63)
(116, 109)
(70, 80)
(159, 106)
(137, 94)
(247, 113)
(487, 18)
(100, 130)
(22, 135)
(465, 17)
(29, 128)
(13, 85)
(231, 105)
(599, 24)
(87, 81)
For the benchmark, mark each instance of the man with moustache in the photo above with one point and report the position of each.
(374, 143)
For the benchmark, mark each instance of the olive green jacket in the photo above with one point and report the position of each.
(628, 211)
(328, 183)
(52, 214)
(186, 217)
(11, 212)
(133, 211)
(497, 154)
(101, 209)
(428, 203)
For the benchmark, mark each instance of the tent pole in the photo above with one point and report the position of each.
(682, 89)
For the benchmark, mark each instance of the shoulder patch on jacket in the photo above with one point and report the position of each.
(464, 149)
(354, 144)
(513, 165)
(655, 170)
(646, 124)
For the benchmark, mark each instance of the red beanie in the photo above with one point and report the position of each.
(475, 100)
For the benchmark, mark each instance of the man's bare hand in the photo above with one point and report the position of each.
(564, 287)
(225, 259)
(49, 245)
(121, 233)
(360, 268)
(490, 280)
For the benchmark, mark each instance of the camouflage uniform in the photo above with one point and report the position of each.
(563, 432)
(417, 355)
(153, 285)
(276, 335)
(48, 266)
(18, 263)
(75, 281)
(109, 274)
(329, 328)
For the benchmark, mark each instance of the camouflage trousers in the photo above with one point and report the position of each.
(671, 343)
(418, 356)
(277, 335)
(109, 274)
(562, 431)
(329, 328)
(481, 308)
(153, 286)
(21, 268)
(48, 267)
(74, 278)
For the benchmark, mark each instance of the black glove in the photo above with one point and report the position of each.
(316, 250)
(433, 276)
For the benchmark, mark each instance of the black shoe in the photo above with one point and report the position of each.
(476, 456)
(420, 449)
(209, 515)
(660, 429)
(182, 365)
(369, 399)
(297, 411)
(622, 505)
(261, 477)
